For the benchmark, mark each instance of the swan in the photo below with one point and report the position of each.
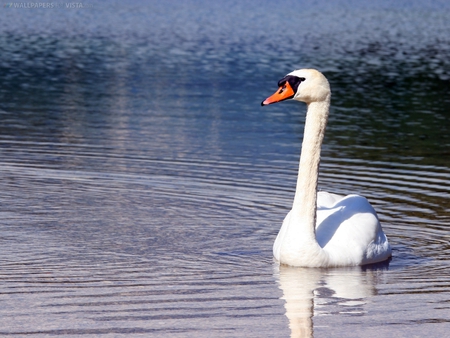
(323, 229)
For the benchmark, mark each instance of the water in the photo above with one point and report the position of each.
(142, 185)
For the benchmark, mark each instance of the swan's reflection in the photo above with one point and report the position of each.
(308, 290)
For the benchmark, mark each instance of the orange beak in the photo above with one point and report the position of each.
(283, 93)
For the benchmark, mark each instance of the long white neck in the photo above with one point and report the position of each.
(305, 200)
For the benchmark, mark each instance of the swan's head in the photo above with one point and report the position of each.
(305, 85)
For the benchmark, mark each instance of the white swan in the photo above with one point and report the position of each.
(323, 229)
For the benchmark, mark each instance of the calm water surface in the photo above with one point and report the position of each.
(142, 185)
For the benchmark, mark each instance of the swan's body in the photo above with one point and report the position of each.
(323, 229)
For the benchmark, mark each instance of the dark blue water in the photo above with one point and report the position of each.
(142, 185)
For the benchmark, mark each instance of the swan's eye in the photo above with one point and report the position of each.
(293, 81)
(282, 89)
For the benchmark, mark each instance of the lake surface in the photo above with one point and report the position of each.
(142, 185)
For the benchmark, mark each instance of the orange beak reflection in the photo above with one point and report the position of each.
(283, 93)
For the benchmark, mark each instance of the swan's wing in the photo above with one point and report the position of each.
(327, 200)
(349, 230)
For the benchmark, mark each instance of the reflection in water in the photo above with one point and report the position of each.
(307, 290)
